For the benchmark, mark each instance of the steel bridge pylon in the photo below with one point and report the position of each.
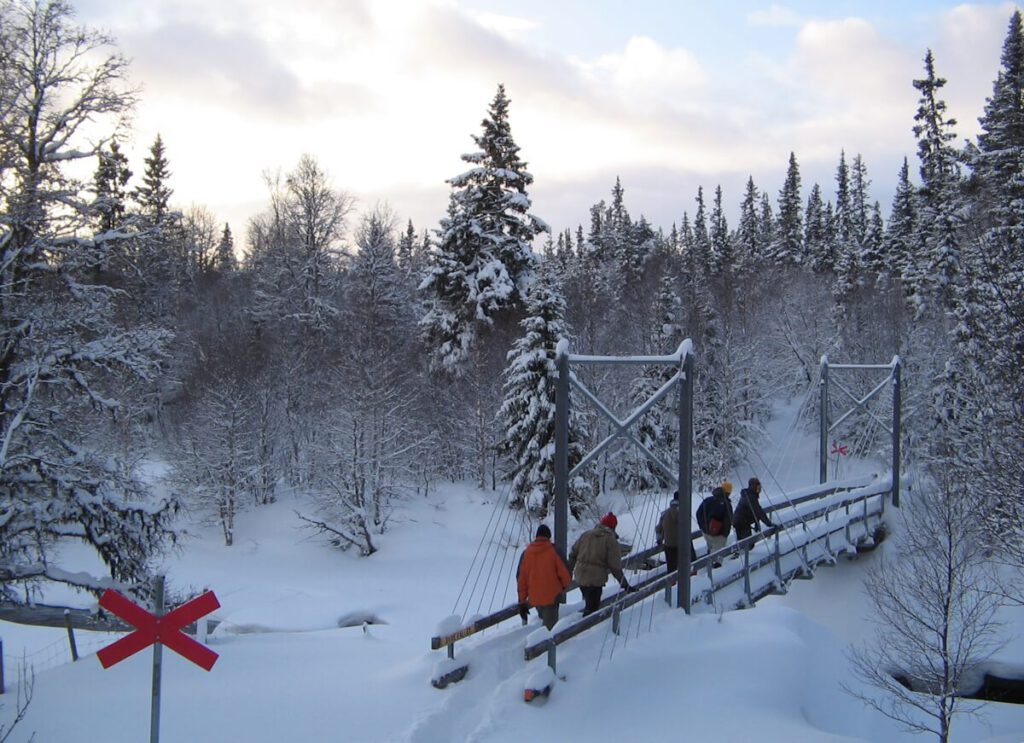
(893, 375)
(681, 474)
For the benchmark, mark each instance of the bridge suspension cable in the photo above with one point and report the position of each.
(492, 548)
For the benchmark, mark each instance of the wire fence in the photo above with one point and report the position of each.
(57, 653)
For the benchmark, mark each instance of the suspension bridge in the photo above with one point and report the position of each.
(812, 527)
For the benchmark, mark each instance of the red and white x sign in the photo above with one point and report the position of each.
(165, 629)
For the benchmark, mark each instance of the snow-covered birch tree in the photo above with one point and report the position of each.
(67, 367)
(934, 604)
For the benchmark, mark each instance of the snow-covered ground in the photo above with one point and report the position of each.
(288, 672)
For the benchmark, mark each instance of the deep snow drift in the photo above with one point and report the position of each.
(288, 671)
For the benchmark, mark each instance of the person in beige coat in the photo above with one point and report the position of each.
(595, 555)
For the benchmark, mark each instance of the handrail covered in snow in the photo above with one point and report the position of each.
(639, 559)
(789, 555)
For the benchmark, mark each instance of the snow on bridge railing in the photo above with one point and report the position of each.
(793, 513)
(809, 529)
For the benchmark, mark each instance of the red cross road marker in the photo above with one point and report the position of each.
(839, 450)
(165, 629)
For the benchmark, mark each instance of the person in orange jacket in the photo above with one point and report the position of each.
(542, 577)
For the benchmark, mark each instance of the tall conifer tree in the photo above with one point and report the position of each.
(938, 263)
(527, 414)
(484, 256)
(789, 225)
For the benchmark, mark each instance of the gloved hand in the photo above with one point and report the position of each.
(626, 587)
(524, 612)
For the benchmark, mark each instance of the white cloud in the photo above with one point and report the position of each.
(387, 95)
(776, 16)
(645, 67)
(511, 27)
(967, 52)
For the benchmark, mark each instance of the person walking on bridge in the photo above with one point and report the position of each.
(542, 577)
(595, 555)
(667, 533)
(749, 513)
(714, 517)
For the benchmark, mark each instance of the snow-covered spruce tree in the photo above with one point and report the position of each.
(527, 414)
(156, 272)
(154, 195)
(847, 247)
(658, 430)
(723, 256)
(815, 230)
(873, 258)
(478, 272)
(484, 255)
(767, 222)
(116, 253)
(990, 309)
(996, 160)
(67, 368)
(699, 253)
(940, 286)
(860, 201)
(749, 249)
(788, 246)
(110, 182)
(998, 264)
(938, 255)
(902, 227)
(706, 326)
(224, 260)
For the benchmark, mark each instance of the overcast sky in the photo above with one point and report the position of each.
(668, 95)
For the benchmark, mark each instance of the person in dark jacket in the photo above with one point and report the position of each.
(749, 513)
(714, 517)
(595, 555)
(542, 578)
(667, 533)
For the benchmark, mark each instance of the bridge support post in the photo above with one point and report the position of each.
(552, 660)
(685, 481)
(823, 421)
(846, 532)
(778, 559)
(746, 577)
(562, 449)
(897, 365)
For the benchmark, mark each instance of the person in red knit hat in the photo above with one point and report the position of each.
(595, 555)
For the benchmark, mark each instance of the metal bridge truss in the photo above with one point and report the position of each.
(812, 528)
(893, 376)
(681, 478)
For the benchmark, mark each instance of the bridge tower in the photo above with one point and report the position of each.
(893, 375)
(679, 473)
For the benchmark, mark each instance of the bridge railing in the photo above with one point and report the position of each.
(786, 549)
(791, 512)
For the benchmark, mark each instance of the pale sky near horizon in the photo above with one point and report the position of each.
(668, 95)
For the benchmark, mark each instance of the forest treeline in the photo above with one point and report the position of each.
(346, 353)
